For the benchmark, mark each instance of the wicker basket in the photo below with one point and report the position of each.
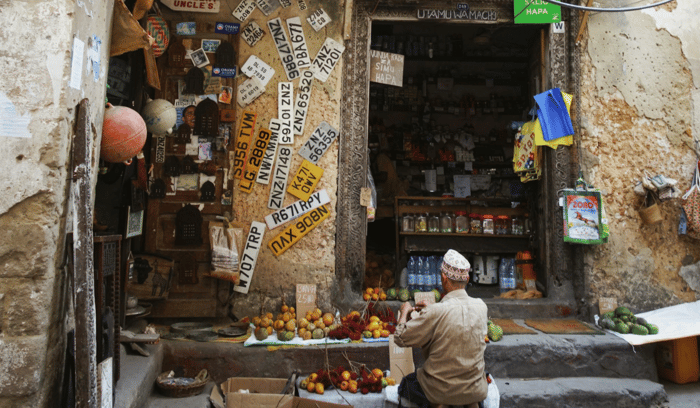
(651, 214)
(181, 390)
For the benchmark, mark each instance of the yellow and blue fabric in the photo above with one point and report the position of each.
(554, 143)
(553, 115)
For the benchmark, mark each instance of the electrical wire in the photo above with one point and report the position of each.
(606, 9)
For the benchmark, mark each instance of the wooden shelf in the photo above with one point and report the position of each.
(461, 235)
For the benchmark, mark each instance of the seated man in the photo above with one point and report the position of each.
(451, 335)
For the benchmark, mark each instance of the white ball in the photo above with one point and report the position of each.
(160, 116)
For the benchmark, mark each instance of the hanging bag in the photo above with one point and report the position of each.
(553, 116)
(650, 213)
(691, 206)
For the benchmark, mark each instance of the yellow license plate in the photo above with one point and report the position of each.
(257, 152)
(302, 226)
(304, 182)
(243, 137)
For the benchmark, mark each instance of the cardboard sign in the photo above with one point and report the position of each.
(198, 6)
(285, 102)
(255, 67)
(265, 172)
(244, 9)
(249, 91)
(250, 256)
(160, 149)
(304, 182)
(284, 49)
(252, 33)
(268, 6)
(326, 59)
(319, 141)
(292, 234)
(279, 178)
(243, 137)
(536, 12)
(296, 209)
(400, 359)
(306, 298)
(296, 36)
(226, 28)
(318, 19)
(254, 161)
(606, 305)
(301, 107)
(386, 68)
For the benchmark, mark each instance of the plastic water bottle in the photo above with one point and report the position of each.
(506, 274)
(427, 272)
(411, 273)
(438, 278)
(419, 274)
(431, 272)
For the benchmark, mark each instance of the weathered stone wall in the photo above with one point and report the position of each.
(639, 74)
(37, 38)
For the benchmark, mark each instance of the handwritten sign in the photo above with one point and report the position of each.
(606, 304)
(284, 49)
(306, 298)
(292, 234)
(301, 107)
(250, 256)
(252, 33)
(285, 102)
(243, 137)
(265, 172)
(257, 153)
(319, 19)
(199, 6)
(280, 176)
(249, 91)
(326, 59)
(304, 182)
(244, 9)
(296, 209)
(319, 141)
(386, 68)
(160, 149)
(296, 36)
(255, 67)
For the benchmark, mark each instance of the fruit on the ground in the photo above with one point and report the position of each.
(311, 386)
(639, 329)
(404, 294)
(261, 333)
(607, 323)
(390, 381)
(367, 334)
(307, 335)
(290, 325)
(642, 321)
(653, 329)
(352, 387)
(609, 314)
(495, 332)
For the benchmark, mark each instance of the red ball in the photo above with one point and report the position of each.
(123, 134)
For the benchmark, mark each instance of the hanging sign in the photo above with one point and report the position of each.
(280, 176)
(265, 172)
(304, 182)
(455, 14)
(292, 234)
(318, 142)
(252, 33)
(245, 133)
(536, 12)
(284, 49)
(297, 209)
(249, 91)
(250, 256)
(285, 102)
(244, 9)
(582, 217)
(386, 68)
(302, 103)
(200, 6)
(254, 161)
(255, 67)
(318, 19)
(296, 36)
(160, 149)
(327, 57)
(268, 6)
(226, 28)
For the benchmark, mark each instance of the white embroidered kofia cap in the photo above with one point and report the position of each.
(455, 266)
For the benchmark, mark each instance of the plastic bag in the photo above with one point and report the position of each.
(224, 251)
(372, 207)
(493, 398)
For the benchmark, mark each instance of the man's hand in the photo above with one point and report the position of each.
(405, 312)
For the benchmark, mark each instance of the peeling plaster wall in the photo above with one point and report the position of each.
(639, 75)
(35, 60)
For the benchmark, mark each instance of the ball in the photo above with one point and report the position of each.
(160, 116)
(123, 134)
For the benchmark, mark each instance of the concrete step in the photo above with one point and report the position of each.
(137, 375)
(581, 392)
(157, 400)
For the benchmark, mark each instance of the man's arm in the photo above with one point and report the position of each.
(414, 333)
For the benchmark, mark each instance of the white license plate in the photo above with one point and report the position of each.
(268, 6)
(318, 142)
(255, 67)
(296, 36)
(285, 110)
(326, 59)
(250, 256)
(284, 49)
(280, 177)
(319, 19)
(296, 209)
(244, 9)
(301, 107)
(252, 33)
(249, 91)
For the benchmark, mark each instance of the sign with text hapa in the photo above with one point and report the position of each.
(386, 68)
(243, 137)
(304, 182)
(250, 256)
(296, 209)
(200, 6)
(536, 12)
(293, 233)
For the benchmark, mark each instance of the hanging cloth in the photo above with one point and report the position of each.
(554, 143)
(526, 156)
(553, 115)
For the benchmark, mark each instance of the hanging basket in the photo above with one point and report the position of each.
(651, 214)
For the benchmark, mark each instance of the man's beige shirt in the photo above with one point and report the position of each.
(451, 336)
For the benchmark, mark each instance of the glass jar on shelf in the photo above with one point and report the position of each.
(475, 226)
(446, 226)
(517, 226)
(502, 225)
(408, 223)
(421, 222)
(461, 222)
(433, 223)
(487, 224)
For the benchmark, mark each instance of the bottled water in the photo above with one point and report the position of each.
(419, 274)
(428, 280)
(438, 278)
(506, 274)
(411, 273)
(431, 272)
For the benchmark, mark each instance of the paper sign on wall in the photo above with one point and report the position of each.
(400, 359)
(386, 68)
(284, 49)
(250, 256)
(306, 298)
(255, 67)
(304, 182)
(303, 99)
(252, 33)
(326, 59)
(293, 233)
(463, 185)
(265, 172)
(318, 19)
(244, 9)
(285, 102)
(243, 137)
(296, 209)
(249, 91)
(254, 160)
(198, 6)
(296, 36)
(319, 141)
(280, 176)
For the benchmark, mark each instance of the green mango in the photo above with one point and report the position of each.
(653, 329)
(639, 329)
(622, 328)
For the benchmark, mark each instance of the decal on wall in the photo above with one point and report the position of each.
(243, 137)
(296, 36)
(292, 234)
(303, 100)
(318, 142)
(255, 67)
(186, 28)
(76, 65)
(268, 6)
(250, 256)
(254, 160)
(284, 49)
(326, 59)
(210, 45)
(304, 182)
(252, 33)
(265, 172)
(249, 91)
(224, 72)
(296, 209)
(93, 56)
(199, 58)
(318, 19)
(226, 28)
(244, 9)
(280, 176)
(285, 101)
(199, 6)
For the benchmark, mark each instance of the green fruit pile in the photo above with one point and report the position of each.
(494, 331)
(623, 321)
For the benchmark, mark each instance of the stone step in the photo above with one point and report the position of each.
(137, 376)
(581, 392)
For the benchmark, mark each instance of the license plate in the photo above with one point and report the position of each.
(302, 5)
(244, 9)
(254, 161)
(243, 137)
(252, 33)
(304, 182)
(160, 149)
(319, 19)
(250, 256)
(280, 176)
(255, 67)
(303, 99)
(286, 3)
(249, 91)
(292, 234)
(326, 59)
(296, 36)
(285, 109)
(297, 209)
(318, 142)
(284, 49)
(265, 172)
(268, 6)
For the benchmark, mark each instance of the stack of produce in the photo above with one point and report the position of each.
(623, 321)
(377, 321)
(316, 324)
(362, 380)
(379, 270)
(285, 324)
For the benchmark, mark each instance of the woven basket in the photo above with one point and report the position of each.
(651, 214)
(180, 391)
